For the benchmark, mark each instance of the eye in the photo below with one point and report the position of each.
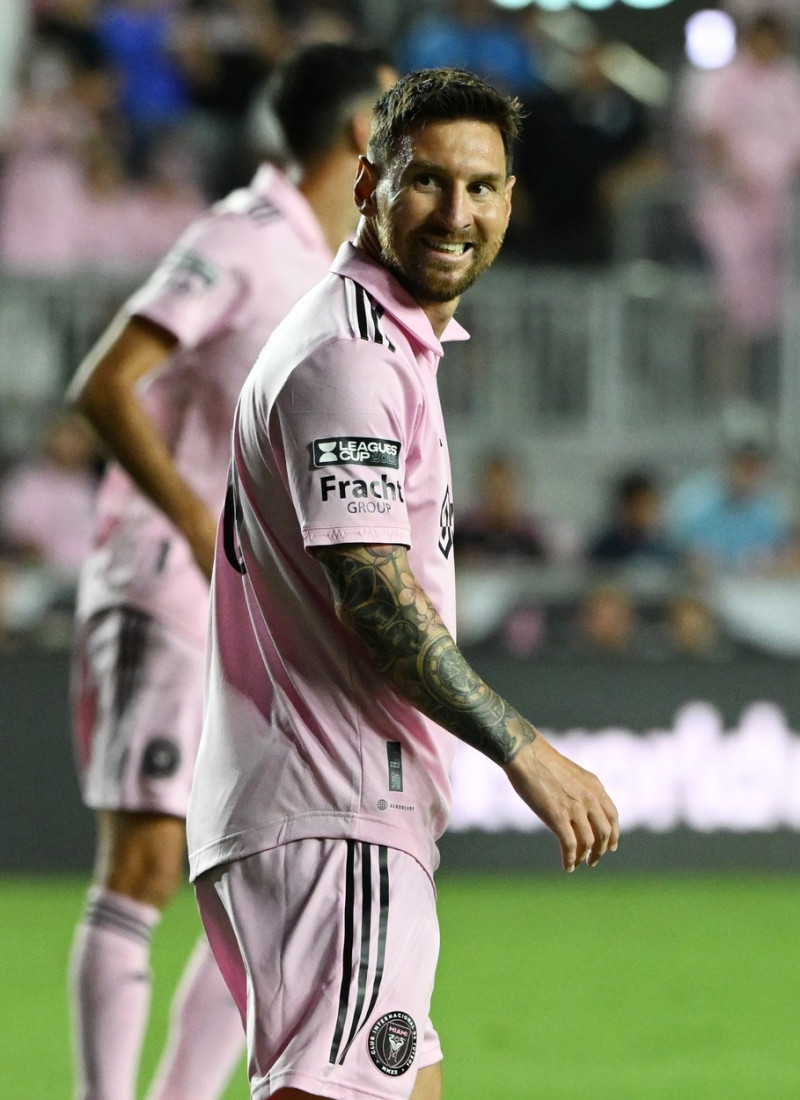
(425, 181)
(481, 188)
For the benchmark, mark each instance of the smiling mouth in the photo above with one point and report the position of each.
(448, 248)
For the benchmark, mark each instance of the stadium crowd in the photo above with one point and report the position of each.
(121, 119)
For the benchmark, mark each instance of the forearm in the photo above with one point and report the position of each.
(105, 390)
(378, 597)
(133, 440)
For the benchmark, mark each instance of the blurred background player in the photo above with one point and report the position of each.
(160, 388)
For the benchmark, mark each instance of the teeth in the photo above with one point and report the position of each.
(456, 249)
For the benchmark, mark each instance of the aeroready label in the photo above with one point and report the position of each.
(356, 450)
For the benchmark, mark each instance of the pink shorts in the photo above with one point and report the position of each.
(329, 948)
(138, 713)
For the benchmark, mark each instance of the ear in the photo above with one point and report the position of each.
(507, 196)
(365, 186)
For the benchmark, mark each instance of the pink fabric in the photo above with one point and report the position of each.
(741, 213)
(277, 922)
(137, 714)
(233, 275)
(41, 189)
(339, 439)
(130, 228)
(51, 509)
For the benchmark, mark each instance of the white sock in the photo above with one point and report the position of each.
(110, 993)
(206, 1037)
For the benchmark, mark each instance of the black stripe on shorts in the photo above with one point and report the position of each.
(355, 987)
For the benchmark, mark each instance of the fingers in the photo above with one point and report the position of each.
(571, 801)
(588, 836)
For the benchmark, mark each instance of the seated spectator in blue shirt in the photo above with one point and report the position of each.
(474, 35)
(736, 519)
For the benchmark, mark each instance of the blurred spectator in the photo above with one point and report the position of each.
(693, 631)
(474, 35)
(735, 519)
(46, 515)
(47, 502)
(312, 21)
(139, 38)
(607, 622)
(42, 179)
(581, 146)
(744, 10)
(743, 127)
(499, 528)
(635, 533)
(129, 225)
(227, 48)
(13, 34)
(70, 26)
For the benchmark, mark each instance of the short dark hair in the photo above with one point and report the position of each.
(633, 485)
(433, 95)
(315, 91)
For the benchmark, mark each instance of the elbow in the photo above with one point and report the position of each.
(95, 399)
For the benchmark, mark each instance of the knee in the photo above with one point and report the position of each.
(144, 860)
(147, 877)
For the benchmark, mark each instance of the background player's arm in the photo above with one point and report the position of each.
(105, 391)
(377, 595)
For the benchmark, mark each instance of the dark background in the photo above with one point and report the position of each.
(45, 828)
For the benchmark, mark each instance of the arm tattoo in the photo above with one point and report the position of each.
(377, 595)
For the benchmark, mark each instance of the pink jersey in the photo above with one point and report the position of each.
(231, 278)
(338, 439)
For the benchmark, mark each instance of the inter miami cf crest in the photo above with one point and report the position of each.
(161, 758)
(392, 1043)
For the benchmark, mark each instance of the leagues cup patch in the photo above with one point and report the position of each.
(358, 450)
(392, 1043)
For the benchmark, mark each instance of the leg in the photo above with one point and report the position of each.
(428, 1085)
(206, 1036)
(139, 866)
(331, 924)
(134, 680)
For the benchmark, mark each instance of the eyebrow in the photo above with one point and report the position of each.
(431, 166)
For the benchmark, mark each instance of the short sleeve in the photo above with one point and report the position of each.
(199, 288)
(344, 422)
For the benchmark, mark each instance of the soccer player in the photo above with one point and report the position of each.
(160, 388)
(335, 690)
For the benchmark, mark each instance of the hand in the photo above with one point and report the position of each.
(570, 801)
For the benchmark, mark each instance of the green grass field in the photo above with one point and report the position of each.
(597, 986)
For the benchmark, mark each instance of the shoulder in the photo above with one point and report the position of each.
(246, 206)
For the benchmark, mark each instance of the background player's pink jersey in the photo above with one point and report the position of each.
(338, 439)
(231, 278)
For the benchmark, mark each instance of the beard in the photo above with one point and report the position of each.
(428, 279)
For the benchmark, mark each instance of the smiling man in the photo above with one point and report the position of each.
(336, 690)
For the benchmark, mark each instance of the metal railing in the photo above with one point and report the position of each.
(615, 359)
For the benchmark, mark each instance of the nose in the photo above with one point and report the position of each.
(454, 212)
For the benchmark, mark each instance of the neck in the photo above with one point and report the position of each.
(440, 314)
(327, 185)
